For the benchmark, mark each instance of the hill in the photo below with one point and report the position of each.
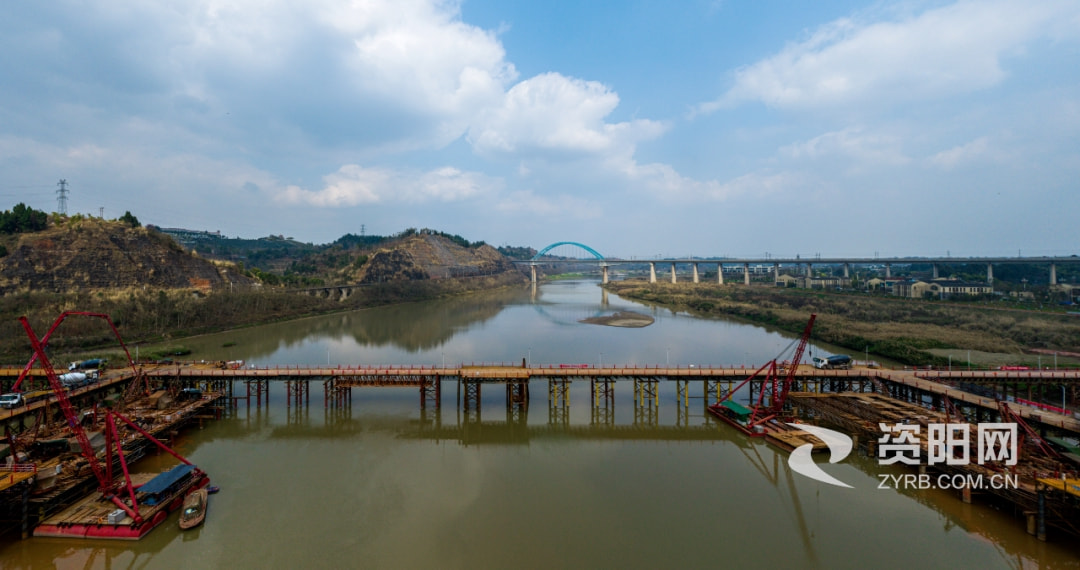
(426, 255)
(77, 253)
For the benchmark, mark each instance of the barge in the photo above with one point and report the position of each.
(98, 517)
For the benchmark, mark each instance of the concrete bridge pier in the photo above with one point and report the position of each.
(673, 272)
(532, 273)
(696, 280)
(989, 272)
(1053, 274)
(888, 270)
(720, 273)
(936, 272)
(809, 270)
(746, 273)
(604, 272)
(847, 270)
(652, 272)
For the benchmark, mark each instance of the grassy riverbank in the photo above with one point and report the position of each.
(165, 316)
(910, 331)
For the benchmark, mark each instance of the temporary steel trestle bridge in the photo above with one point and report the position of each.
(927, 386)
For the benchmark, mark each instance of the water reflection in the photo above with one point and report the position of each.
(572, 481)
(809, 519)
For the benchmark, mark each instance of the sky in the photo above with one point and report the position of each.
(639, 128)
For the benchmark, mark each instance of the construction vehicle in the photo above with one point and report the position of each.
(132, 509)
(19, 399)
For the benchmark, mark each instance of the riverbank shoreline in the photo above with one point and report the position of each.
(915, 333)
(144, 318)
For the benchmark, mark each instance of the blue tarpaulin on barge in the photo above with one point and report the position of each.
(167, 479)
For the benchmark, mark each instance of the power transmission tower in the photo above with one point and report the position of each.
(61, 197)
(362, 230)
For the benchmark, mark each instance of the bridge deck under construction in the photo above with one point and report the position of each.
(929, 381)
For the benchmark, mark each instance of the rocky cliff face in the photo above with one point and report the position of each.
(429, 256)
(99, 254)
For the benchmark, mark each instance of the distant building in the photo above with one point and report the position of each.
(829, 282)
(182, 235)
(786, 281)
(886, 283)
(939, 288)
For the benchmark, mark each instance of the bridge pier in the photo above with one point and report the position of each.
(888, 270)
(604, 272)
(673, 272)
(532, 273)
(720, 273)
(431, 392)
(937, 273)
(1053, 274)
(262, 390)
(297, 392)
(696, 280)
(603, 401)
(646, 401)
(847, 270)
(682, 392)
(746, 273)
(990, 273)
(652, 272)
(558, 401)
(471, 402)
(336, 396)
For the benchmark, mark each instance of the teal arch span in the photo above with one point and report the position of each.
(594, 253)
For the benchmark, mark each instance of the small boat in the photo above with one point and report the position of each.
(194, 509)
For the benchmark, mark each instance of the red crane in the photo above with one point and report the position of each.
(778, 387)
(104, 474)
(45, 340)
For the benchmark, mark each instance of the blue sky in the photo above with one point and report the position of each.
(639, 128)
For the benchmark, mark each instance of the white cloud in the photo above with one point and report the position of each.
(527, 202)
(551, 114)
(664, 182)
(354, 185)
(852, 143)
(968, 152)
(379, 74)
(941, 52)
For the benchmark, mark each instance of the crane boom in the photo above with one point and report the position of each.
(45, 340)
(778, 403)
(65, 406)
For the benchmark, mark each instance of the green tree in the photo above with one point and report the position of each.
(22, 218)
(130, 220)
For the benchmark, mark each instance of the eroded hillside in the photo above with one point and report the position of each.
(89, 253)
(427, 256)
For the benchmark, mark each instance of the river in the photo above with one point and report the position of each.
(382, 484)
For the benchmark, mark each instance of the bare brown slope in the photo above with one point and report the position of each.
(429, 256)
(78, 254)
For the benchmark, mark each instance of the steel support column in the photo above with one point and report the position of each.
(559, 401)
(646, 401)
(603, 401)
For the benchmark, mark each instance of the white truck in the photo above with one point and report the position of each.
(834, 362)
